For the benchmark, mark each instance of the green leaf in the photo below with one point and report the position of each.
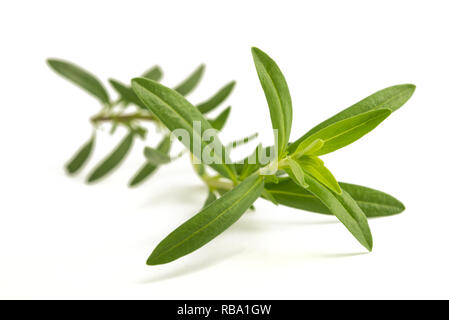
(126, 93)
(80, 77)
(191, 82)
(211, 197)
(156, 157)
(219, 122)
(374, 203)
(269, 197)
(148, 168)
(177, 113)
(154, 73)
(216, 99)
(315, 167)
(253, 162)
(311, 149)
(345, 209)
(81, 156)
(208, 223)
(277, 95)
(295, 172)
(391, 98)
(344, 132)
(113, 159)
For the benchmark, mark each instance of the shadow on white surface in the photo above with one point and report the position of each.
(198, 265)
(180, 193)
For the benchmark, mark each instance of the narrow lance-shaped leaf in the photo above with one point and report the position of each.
(311, 149)
(191, 82)
(391, 98)
(277, 95)
(126, 93)
(295, 172)
(155, 156)
(177, 113)
(80, 77)
(148, 168)
(374, 203)
(216, 99)
(211, 197)
(315, 167)
(345, 209)
(81, 156)
(219, 122)
(344, 132)
(154, 73)
(113, 159)
(208, 223)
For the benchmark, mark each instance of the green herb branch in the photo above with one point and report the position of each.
(117, 113)
(286, 173)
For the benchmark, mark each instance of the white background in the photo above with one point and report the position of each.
(60, 238)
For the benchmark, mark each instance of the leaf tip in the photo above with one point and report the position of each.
(200, 69)
(255, 50)
(401, 206)
(150, 261)
(154, 259)
(139, 82)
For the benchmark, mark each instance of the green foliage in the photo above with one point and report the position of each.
(345, 209)
(219, 122)
(113, 159)
(81, 156)
(315, 167)
(296, 173)
(277, 95)
(80, 77)
(176, 112)
(216, 99)
(374, 203)
(148, 167)
(191, 82)
(127, 95)
(154, 73)
(288, 174)
(112, 112)
(344, 132)
(208, 223)
(389, 98)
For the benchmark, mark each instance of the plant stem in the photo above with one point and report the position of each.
(121, 118)
(217, 184)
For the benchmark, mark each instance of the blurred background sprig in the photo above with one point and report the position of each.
(128, 111)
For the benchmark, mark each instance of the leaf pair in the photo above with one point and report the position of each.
(374, 203)
(343, 132)
(109, 163)
(345, 209)
(391, 98)
(151, 165)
